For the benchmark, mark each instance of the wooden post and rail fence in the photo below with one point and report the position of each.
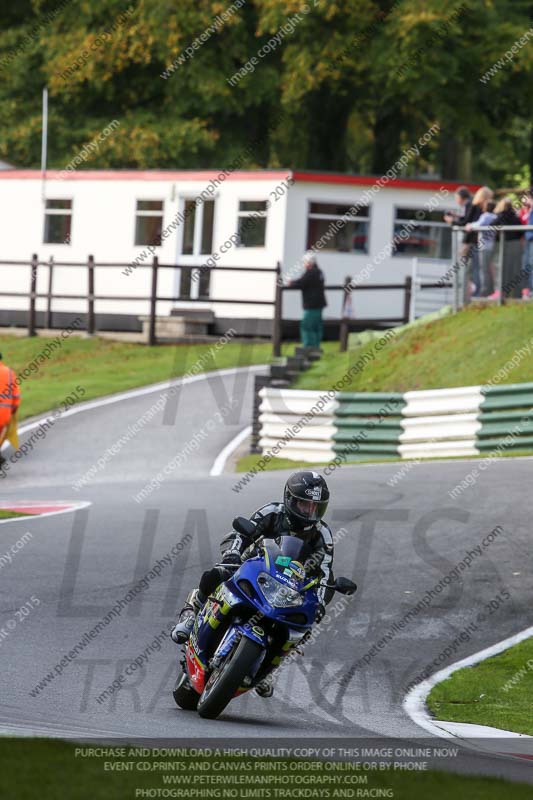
(346, 321)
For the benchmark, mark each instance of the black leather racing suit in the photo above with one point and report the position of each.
(270, 522)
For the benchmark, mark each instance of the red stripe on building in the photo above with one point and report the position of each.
(239, 175)
(142, 175)
(369, 180)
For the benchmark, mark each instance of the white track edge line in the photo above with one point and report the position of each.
(34, 730)
(76, 505)
(132, 393)
(220, 461)
(414, 703)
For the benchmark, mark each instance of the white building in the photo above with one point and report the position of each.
(239, 219)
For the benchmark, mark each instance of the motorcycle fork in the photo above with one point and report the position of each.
(215, 610)
(275, 655)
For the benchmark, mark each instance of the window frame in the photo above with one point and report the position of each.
(256, 215)
(198, 225)
(58, 212)
(422, 223)
(160, 214)
(333, 217)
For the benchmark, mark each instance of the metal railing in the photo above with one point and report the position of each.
(431, 289)
(462, 266)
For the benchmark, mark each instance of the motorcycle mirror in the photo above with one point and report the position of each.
(345, 586)
(244, 526)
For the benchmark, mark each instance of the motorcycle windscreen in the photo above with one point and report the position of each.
(284, 550)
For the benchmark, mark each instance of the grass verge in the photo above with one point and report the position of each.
(496, 692)
(5, 514)
(463, 349)
(250, 462)
(50, 770)
(103, 367)
(426, 357)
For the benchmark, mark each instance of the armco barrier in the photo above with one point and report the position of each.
(367, 423)
(301, 423)
(506, 413)
(465, 421)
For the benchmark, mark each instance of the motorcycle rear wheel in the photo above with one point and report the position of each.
(224, 682)
(184, 695)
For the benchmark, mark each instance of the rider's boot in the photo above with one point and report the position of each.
(183, 629)
(266, 687)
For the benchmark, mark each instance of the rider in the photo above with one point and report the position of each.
(304, 504)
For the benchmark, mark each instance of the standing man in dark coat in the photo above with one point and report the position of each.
(467, 251)
(314, 300)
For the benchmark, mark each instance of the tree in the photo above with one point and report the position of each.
(192, 84)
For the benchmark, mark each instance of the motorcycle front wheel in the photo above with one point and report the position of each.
(184, 695)
(224, 682)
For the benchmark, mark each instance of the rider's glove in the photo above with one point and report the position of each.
(231, 557)
(321, 610)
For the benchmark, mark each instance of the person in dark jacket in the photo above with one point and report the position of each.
(470, 213)
(314, 300)
(511, 279)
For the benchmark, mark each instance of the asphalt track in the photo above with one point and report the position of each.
(396, 542)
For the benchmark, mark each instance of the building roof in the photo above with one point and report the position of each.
(370, 180)
(300, 176)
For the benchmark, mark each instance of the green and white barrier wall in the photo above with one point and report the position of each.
(465, 421)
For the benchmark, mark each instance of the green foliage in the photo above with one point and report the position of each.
(358, 81)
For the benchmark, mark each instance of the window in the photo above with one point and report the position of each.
(185, 283)
(57, 222)
(149, 222)
(419, 232)
(251, 223)
(188, 228)
(198, 228)
(338, 227)
(188, 277)
(204, 282)
(207, 228)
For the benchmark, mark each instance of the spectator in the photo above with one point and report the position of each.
(314, 300)
(485, 246)
(512, 251)
(527, 257)
(470, 213)
(9, 403)
(482, 196)
(523, 211)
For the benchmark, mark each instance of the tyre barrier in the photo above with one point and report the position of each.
(353, 426)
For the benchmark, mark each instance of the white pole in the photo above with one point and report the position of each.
(44, 141)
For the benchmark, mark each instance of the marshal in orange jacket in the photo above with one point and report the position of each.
(9, 395)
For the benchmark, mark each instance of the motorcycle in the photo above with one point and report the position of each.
(249, 624)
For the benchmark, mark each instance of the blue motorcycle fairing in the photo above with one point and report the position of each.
(250, 572)
(242, 593)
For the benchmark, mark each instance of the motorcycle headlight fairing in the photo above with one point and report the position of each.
(276, 593)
